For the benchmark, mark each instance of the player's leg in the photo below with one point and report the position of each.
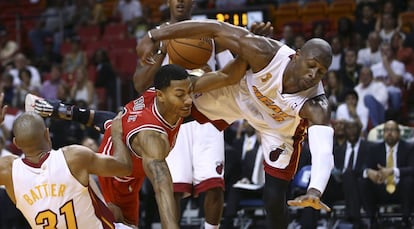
(208, 166)
(57, 109)
(275, 202)
(179, 163)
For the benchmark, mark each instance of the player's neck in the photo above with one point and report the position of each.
(170, 117)
(290, 84)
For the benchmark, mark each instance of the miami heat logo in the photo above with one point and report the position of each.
(219, 167)
(276, 151)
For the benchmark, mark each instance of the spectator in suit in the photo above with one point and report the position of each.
(246, 159)
(350, 161)
(388, 177)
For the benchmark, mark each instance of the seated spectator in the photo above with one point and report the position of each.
(349, 162)
(24, 88)
(8, 48)
(365, 22)
(21, 62)
(51, 23)
(349, 69)
(131, 13)
(288, 36)
(98, 14)
(247, 160)
(334, 91)
(388, 28)
(391, 72)
(50, 87)
(371, 54)
(373, 95)
(388, 176)
(8, 89)
(83, 89)
(299, 41)
(337, 54)
(404, 49)
(76, 58)
(351, 110)
(106, 77)
(49, 57)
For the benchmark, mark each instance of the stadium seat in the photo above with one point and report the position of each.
(89, 33)
(282, 17)
(128, 44)
(115, 31)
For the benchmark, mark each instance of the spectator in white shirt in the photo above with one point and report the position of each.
(371, 54)
(21, 62)
(337, 54)
(373, 95)
(351, 110)
(391, 72)
(130, 11)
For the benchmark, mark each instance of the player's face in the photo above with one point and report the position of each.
(310, 72)
(180, 9)
(178, 98)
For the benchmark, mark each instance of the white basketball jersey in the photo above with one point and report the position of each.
(266, 107)
(50, 197)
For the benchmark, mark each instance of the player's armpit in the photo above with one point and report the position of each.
(316, 110)
(231, 74)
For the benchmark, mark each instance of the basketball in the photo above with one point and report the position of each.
(190, 53)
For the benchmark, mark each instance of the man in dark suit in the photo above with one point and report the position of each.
(245, 158)
(389, 174)
(349, 165)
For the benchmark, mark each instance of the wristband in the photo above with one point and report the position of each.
(150, 36)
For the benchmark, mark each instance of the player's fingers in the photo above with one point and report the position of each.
(324, 206)
(295, 203)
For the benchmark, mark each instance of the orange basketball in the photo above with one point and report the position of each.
(190, 53)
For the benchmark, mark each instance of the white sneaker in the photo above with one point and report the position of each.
(30, 101)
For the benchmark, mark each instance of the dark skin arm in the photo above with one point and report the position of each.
(316, 111)
(82, 161)
(154, 148)
(256, 50)
(144, 73)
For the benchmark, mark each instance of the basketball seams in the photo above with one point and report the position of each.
(190, 53)
(208, 49)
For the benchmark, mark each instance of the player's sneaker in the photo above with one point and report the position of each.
(29, 103)
(48, 107)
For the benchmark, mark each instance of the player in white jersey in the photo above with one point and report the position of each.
(281, 95)
(196, 162)
(51, 187)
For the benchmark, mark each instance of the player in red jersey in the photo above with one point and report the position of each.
(151, 124)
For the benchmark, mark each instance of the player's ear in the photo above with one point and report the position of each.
(160, 96)
(15, 143)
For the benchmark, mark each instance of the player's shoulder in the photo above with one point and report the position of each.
(6, 164)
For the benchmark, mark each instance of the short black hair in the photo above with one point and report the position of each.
(351, 92)
(167, 73)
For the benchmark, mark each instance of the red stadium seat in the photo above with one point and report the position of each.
(115, 31)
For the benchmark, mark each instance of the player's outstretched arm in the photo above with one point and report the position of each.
(83, 161)
(230, 74)
(320, 136)
(256, 50)
(154, 148)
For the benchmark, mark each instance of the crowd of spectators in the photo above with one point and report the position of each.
(369, 81)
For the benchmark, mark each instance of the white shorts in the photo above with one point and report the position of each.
(281, 150)
(197, 158)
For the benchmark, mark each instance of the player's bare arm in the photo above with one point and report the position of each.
(154, 148)
(231, 74)
(256, 50)
(316, 110)
(82, 161)
(6, 174)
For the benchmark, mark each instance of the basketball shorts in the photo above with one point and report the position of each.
(197, 158)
